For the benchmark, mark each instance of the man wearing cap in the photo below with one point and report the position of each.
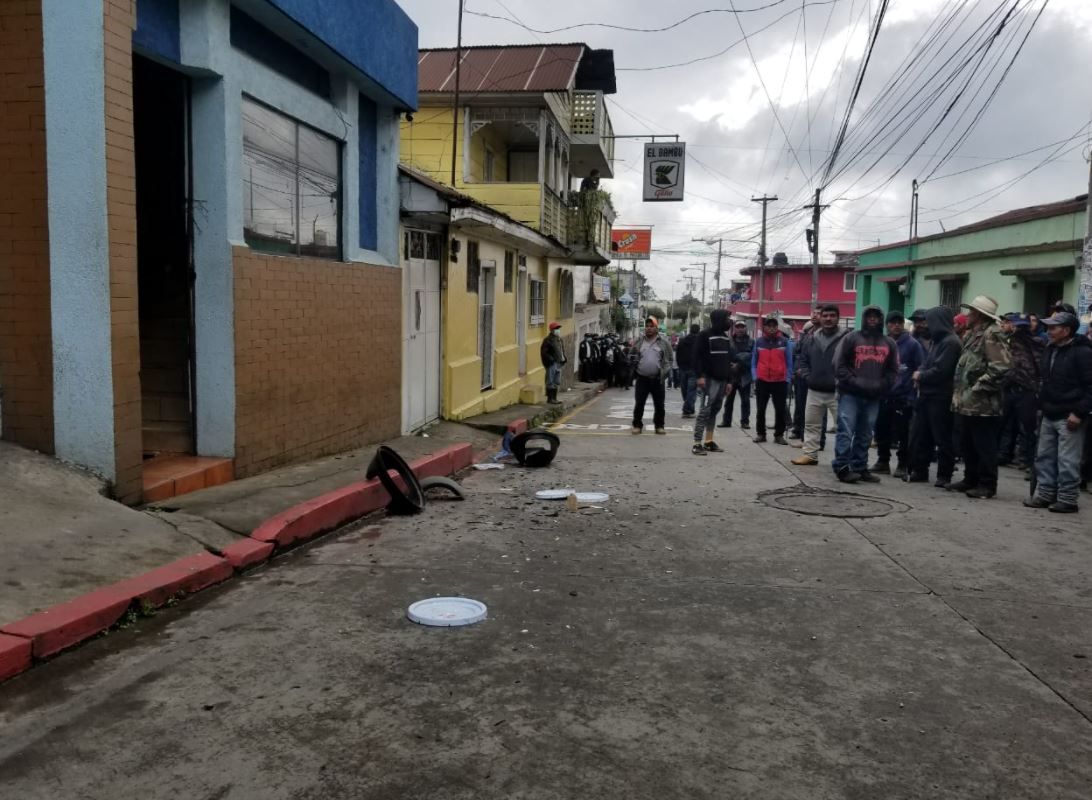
(1021, 388)
(1066, 401)
(897, 406)
(920, 331)
(653, 362)
(552, 353)
(771, 370)
(977, 397)
(743, 345)
(866, 365)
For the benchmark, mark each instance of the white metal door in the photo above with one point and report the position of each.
(486, 289)
(521, 319)
(421, 346)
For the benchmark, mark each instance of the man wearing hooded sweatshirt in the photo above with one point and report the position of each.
(866, 365)
(933, 419)
(716, 368)
(897, 408)
(743, 345)
(1066, 400)
(816, 365)
(771, 370)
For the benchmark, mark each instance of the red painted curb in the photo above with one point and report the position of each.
(190, 574)
(15, 655)
(64, 625)
(247, 553)
(517, 427)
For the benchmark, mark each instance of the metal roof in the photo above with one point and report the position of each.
(507, 68)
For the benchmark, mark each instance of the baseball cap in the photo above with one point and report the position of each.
(1018, 319)
(1063, 318)
(918, 315)
(895, 316)
(771, 321)
(740, 324)
(555, 325)
(653, 320)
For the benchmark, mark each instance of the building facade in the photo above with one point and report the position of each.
(1026, 259)
(203, 224)
(784, 290)
(531, 124)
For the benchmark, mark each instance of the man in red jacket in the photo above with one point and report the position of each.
(771, 368)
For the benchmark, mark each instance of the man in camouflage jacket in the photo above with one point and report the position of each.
(978, 398)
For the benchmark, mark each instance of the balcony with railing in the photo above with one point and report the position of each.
(592, 135)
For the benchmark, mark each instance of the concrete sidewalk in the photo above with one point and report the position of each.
(63, 538)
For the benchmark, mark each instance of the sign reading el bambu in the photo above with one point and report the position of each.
(665, 168)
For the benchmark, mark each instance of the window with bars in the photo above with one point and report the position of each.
(473, 267)
(538, 302)
(951, 294)
(291, 185)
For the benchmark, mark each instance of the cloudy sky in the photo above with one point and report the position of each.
(762, 104)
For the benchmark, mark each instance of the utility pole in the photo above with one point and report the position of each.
(720, 255)
(813, 245)
(701, 314)
(455, 107)
(762, 254)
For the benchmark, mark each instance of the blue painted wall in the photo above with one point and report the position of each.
(157, 29)
(375, 36)
(367, 117)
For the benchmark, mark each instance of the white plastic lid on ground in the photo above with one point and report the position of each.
(581, 497)
(446, 612)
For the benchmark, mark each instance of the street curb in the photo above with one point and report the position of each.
(65, 625)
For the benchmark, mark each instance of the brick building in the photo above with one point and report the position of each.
(199, 242)
(784, 289)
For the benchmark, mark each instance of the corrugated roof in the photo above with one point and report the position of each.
(507, 68)
(1014, 217)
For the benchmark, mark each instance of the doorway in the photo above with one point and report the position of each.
(421, 345)
(486, 295)
(896, 300)
(164, 257)
(1039, 295)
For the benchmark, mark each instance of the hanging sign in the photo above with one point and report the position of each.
(631, 243)
(665, 169)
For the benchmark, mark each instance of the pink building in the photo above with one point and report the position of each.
(784, 289)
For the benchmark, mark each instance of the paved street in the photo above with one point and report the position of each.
(689, 640)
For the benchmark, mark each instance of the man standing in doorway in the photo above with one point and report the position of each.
(716, 367)
(897, 407)
(979, 377)
(743, 345)
(771, 369)
(1066, 401)
(552, 352)
(653, 362)
(866, 365)
(816, 365)
(684, 356)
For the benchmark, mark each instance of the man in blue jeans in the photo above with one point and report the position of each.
(1066, 401)
(688, 379)
(866, 365)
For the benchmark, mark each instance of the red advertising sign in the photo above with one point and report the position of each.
(631, 243)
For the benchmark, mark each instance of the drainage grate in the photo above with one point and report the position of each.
(825, 503)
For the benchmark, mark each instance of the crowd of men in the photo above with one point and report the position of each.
(978, 388)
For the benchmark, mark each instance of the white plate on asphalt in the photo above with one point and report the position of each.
(446, 612)
(581, 497)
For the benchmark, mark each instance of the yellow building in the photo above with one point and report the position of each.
(530, 124)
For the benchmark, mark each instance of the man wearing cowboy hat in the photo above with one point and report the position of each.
(977, 397)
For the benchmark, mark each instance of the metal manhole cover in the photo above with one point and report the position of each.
(820, 503)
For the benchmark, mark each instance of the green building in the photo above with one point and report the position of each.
(1025, 259)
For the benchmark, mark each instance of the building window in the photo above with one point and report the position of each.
(291, 185)
(777, 282)
(951, 294)
(850, 282)
(538, 302)
(490, 165)
(473, 267)
(509, 270)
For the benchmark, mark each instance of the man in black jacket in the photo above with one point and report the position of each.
(933, 420)
(815, 364)
(1066, 401)
(716, 367)
(743, 345)
(866, 365)
(684, 357)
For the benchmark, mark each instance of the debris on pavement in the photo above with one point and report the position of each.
(410, 501)
(447, 484)
(488, 465)
(447, 612)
